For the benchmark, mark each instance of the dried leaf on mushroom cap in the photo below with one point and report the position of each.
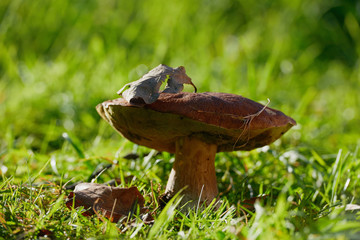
(146, 89)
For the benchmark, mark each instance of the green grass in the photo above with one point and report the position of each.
(59, 59)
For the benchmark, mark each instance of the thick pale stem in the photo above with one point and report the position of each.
(194, 168)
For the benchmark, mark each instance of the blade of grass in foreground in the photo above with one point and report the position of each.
(57, 205)
(165, 216)
(74, 145)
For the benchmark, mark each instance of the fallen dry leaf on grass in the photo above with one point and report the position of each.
(112, 202)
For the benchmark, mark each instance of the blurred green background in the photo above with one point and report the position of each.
(59, 59)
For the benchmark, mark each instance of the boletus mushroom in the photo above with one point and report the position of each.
(195, 126)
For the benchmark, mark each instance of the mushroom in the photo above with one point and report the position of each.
(195, 126)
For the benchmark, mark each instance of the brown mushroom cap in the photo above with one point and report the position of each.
(230, 121)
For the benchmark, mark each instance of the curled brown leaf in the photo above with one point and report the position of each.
(112, 202)
(146, 89)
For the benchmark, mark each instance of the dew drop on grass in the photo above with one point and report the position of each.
(3, 169)
(346, 184)
(286, 67)
(349, 114)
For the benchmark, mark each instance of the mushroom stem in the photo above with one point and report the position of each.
(194, 170)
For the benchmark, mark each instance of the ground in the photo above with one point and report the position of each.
(58, 60)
